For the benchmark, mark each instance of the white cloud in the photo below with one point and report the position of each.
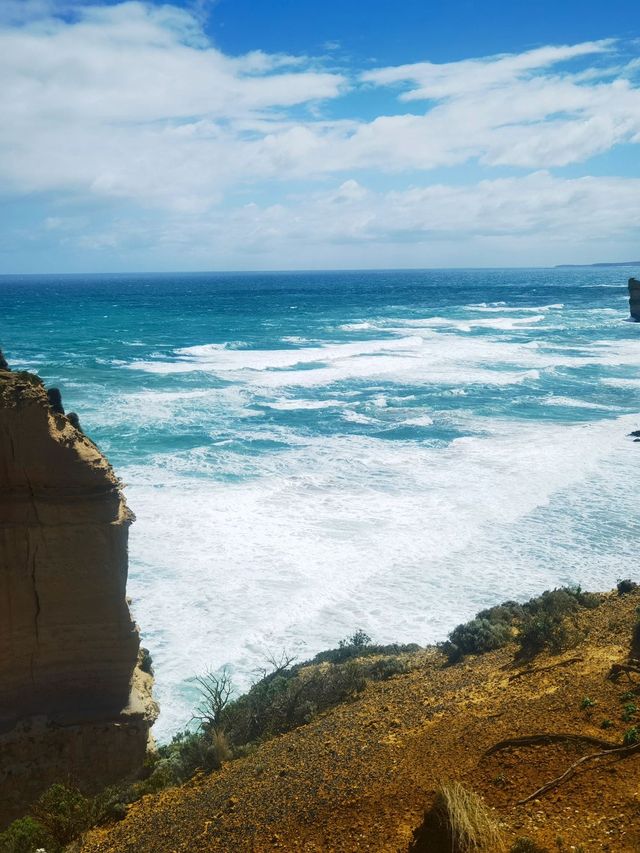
(132, 102)
(453, 79)
(521, 219)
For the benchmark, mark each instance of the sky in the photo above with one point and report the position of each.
(299, 134)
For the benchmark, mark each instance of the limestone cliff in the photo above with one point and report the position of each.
(634, 298)
(73, 705)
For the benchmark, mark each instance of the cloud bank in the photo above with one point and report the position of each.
(129, 113)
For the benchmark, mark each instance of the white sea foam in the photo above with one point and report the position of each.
(621, 383)
(421, 420)
(501, 307)
(574, 403)
(298, 546)
(357, 327)
(292, 405)
(357, 417)
(444, 357)
(506, 323)
(349, 531)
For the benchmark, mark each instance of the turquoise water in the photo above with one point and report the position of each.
(308, 453)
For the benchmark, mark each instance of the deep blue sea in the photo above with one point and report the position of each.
(311, 453)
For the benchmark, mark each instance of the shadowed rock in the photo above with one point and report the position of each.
(3, 362)
(55, 401)
(634, 299)
(74, 705)
(74, 420)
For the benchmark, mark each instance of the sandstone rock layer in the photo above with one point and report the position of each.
(73, 706)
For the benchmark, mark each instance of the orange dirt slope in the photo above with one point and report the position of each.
(360, 777)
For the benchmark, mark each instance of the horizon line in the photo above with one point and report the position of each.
(292, 270)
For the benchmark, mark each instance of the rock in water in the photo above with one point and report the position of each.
(74, 705)
(634, 299)
(3, 362)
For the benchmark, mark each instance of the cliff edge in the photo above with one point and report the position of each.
(73, 704)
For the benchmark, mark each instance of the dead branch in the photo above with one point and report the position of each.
(216, 691)
(617, 669)
(532, 671)
(532, 740)
(621, 751)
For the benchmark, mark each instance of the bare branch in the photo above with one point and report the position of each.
(216, 690)
(622, 751)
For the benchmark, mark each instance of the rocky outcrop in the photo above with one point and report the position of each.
(634, 298)
(73, 704)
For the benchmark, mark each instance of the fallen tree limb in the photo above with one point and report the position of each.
(532, 740)
(524, 672)
(621, 751)
(618, 668)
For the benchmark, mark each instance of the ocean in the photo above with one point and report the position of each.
(312, 453)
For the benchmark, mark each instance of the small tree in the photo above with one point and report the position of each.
(216, 691)
(358, 640)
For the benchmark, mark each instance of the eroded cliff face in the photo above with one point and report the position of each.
(73, 705)
(634, 298)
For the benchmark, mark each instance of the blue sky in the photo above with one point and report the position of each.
(268, 135)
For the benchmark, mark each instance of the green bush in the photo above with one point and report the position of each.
(540, 623)
(348, 649)
(289, 696)
(65, 813)
(27, 835)
(507, 613)
(476, 637)
(541, 631)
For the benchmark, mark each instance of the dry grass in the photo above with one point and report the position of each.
(471, 825)
(221, 746)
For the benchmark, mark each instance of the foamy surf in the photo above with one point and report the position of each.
(311, 454)
(338, 533)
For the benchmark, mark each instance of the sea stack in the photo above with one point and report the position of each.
(74, 706)
(634, 299)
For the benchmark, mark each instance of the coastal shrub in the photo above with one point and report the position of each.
(539, 623)
(626, 586)
(27, 835)
(349, 649)
(65, 813)
(540, 631)
(506, 613)
(293, 697)
(458, 821)
(384, 668)
(631, 736)
(563, 601)
(358, 640)
(549, 620)
(205, 749)
(476, 637)
(289, 696)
